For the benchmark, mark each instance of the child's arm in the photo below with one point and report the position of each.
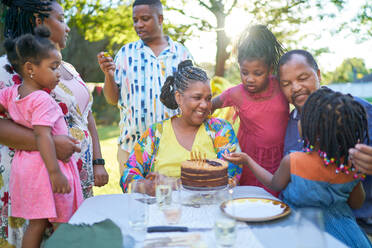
(357, 197)
(100, 175)
(45, 145)
(216, 103)
(276, 182)
(2, 109)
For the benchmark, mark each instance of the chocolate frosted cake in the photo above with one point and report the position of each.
(208, 173)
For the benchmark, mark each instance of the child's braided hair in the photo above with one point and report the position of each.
(258, 42)
(335, 122)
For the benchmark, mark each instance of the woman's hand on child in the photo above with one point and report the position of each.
(100, 175)
(65, 147)
(236, 157)
(59, 183)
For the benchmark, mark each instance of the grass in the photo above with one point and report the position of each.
(108, 139)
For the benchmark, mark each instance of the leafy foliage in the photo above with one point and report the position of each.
(104, 113)
(113, 22)
(350, 70)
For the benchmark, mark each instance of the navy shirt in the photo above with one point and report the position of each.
(293, 142)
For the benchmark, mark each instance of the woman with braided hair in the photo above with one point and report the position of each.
(74, 99)
(163, 146)
(320, 177)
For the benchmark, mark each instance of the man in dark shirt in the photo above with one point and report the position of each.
(299, 76)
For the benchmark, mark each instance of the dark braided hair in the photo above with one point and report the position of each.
(288, 55)
(335, 122)
(28, 47)
(180, 81)
(20, 16)
(258, 42)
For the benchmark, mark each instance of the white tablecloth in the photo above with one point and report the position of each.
(279, 233)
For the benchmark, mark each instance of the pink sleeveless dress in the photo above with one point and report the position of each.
(29, 186)
(263, 122)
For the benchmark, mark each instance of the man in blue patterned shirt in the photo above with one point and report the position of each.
(134, 79)
(299, 76)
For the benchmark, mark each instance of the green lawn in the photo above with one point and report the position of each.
(108, 138)
(369, 99)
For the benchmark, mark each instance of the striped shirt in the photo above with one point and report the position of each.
(140, 75)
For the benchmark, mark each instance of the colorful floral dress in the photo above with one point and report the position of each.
(142, 159)
(12, 229)
(77, 122)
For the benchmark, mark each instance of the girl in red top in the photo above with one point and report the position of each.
(258, 101)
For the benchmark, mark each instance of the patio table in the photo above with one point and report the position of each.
(278, 233)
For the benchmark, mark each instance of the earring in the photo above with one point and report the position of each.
(32, 75)
(179, 112)
(210, 114)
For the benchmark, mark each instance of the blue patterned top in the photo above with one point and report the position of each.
(140, 75)
(314, 185)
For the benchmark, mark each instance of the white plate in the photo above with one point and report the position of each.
(255, 209)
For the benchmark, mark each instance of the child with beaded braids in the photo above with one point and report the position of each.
(258, 101)
(319, 177)
(43, 189)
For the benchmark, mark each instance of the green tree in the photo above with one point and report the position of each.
(361, 24)
(82, 54)
(101, 25)
(282, 17)
(350, 70)
(112, 21)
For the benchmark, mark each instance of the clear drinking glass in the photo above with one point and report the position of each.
(163, 190)
(138, 211)
(224, 226)
(310, 228)
(168, 195)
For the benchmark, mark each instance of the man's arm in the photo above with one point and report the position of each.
(110, 89)
(361, 154)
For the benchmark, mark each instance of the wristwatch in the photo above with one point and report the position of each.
(99, 161)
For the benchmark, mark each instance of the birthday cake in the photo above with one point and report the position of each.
(207, 173)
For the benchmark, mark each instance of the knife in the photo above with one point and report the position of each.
(152, 229)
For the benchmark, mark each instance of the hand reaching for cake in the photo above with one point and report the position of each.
(237, 157)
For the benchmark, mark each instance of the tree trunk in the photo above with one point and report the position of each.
(222, 42)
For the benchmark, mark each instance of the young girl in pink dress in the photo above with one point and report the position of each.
(258, 101)
(43, 189)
